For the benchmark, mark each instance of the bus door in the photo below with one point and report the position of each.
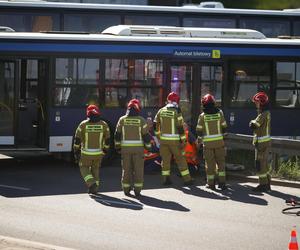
(31, 103)
(192, 81)
(183, 78)
(7, 102)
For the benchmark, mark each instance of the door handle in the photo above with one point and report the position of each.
(22, 107)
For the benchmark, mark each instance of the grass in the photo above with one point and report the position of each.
(289, 169)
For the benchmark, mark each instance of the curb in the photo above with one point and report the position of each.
(18, 244)
(275, 181)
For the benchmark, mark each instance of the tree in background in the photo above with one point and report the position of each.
(236, 4)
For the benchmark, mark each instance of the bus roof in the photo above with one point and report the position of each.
(144, 8)
(172, 31)
(145, 38)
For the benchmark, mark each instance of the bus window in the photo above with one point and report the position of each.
(181, 83)
(77, 82)
(116, 71)
(246, 78)
(133, 78)
(269, 27)
(7, 98)
(296, 28)
(30, 22)
(288, 84)
(209, 22)
(89, 23)
(151, 20)
(212, 81)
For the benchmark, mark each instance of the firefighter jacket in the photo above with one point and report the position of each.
(211, 128)
(132, 133)
(169, 125)
(261, 128)
(92, 137)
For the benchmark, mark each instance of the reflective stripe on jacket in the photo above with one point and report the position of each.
(211, 127)
(169, 125)
(93, 137)
(132, 129)
(262, 128)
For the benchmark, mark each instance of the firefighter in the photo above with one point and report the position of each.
(210, 130)
(131, 136)
(168, 127)
(261, 126)
(92, 139)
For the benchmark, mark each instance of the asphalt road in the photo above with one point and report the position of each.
(46, 201)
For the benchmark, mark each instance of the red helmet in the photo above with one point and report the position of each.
(173, 97)
(208, 98)
(261, 98)
(92, 109)
(135, 103)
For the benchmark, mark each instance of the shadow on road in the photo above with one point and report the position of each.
(235, 192)
(279, 195)
(47, 176)
(170, 205)
(134, 205)
(117, 203)
(197, 191)
(244, 194)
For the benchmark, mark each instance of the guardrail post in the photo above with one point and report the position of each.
(275, 164)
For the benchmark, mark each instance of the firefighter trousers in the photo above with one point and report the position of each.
(89, 168)
(166, 152)
(133, 170)
(261, 162)
(215, 164)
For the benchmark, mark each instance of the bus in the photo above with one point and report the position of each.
(39, 16)
(47, 80)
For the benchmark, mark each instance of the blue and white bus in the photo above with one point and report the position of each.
(39, 16)
(47, 80)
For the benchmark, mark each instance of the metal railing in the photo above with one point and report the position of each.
(279, 146)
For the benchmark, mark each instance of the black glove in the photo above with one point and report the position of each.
(118, 150)
(76, 156)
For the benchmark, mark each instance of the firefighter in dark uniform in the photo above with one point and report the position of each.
(261, 126)
(92, 139)
(210, 130)
(131, 136)
(168, 127)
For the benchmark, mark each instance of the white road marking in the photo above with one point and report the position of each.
(15, 187)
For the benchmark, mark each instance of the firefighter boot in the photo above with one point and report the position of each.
(188, 183)
(93, 189)
(222, 186)
(167, 181)
(211, 186)
(137, 193)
